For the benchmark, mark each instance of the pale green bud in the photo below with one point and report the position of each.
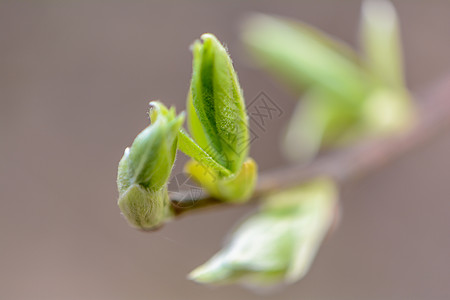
(144, 208)
(387, 111)
(279, 242)
(145, 169)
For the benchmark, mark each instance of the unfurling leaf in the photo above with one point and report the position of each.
(217, 121)
(279, 242)
(217, 105)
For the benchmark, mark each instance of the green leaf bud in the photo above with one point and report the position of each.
(145, 169)
(279, 242)
(144, 208)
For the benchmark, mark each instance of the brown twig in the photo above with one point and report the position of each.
(433, 115)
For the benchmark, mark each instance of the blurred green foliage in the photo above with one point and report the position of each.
(346, 97)
(278, 243)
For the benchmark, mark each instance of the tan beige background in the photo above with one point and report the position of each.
(75, 80)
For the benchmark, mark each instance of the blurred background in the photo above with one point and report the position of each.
(75, 81)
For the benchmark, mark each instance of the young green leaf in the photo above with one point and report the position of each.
(217, 118)
(279, 242)
(218, 124)
(305, 57)
(192, 149)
